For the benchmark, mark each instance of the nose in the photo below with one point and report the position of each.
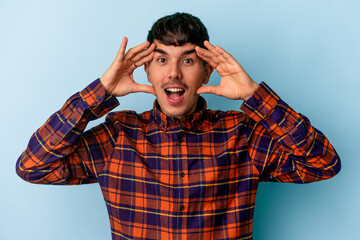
(174, 71)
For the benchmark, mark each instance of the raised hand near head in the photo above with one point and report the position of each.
(118, 80)
(235, 83)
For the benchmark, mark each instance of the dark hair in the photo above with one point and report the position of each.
(178, 29)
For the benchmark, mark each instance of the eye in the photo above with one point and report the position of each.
(161, 60)
(188, 61)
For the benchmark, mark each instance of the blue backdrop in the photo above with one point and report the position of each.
(307, 51)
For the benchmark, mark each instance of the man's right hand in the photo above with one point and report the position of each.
(118, 80)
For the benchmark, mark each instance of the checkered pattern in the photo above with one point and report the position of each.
(168, 179)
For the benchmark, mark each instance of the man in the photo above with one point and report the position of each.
(178, 171)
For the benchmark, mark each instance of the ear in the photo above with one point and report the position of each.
(146, 69)
(208, 71)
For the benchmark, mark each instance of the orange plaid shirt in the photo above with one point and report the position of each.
(163, 178)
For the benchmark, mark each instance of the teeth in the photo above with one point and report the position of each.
(174, 90)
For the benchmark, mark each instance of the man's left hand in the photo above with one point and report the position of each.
(235, 83)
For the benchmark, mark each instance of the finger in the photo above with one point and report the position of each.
(143, 53)
(222, 52)
(133, 51)
(207, 56)
(211, 48)
(144, 88)
(121, 52)
(214, 50)
(225, 54)
(208, 45)
(208, 89)
(145, 59)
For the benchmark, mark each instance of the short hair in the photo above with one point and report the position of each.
(178, 29)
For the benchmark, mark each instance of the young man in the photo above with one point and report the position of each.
(178, 171)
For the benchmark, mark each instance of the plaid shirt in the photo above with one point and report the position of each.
(163, 178)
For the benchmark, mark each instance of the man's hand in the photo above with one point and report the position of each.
(235, 83)
(118, 79)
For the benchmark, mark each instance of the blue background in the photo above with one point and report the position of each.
(307, 51)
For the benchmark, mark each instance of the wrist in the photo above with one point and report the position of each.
(105, 85)
(251, 90)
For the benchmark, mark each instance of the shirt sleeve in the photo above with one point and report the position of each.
(59, 152)
(284, 146)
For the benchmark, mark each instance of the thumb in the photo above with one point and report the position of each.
(144, 88)
(208, 89)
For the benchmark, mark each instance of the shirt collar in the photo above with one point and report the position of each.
(192, 121)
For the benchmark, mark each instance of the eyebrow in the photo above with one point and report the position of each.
(187, 52)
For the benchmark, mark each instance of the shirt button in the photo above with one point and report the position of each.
(182, 208)
(180, 140)
(97, 97)
(286, 125)
(182, 174)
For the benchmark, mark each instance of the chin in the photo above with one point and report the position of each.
(180, 111)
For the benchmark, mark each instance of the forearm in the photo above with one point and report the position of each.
(300, 153)
(50, 156)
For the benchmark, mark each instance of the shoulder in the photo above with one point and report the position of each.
(129, 118)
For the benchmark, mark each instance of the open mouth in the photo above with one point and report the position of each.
(175, 94)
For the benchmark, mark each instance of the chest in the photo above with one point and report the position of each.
(180, 164)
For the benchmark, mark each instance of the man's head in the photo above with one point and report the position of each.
(178, 29)
(176, 72)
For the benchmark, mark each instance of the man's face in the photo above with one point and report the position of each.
(176, 72)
